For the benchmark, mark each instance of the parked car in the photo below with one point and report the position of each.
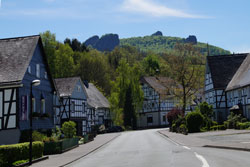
(114, 129)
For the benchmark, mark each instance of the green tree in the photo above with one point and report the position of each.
(64, 61)
(127, 94)
(151, 65)
(50, 44)
(187, 70)
(93, 66)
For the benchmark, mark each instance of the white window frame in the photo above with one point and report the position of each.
(29, 69)
(38, 70)
(45, 75)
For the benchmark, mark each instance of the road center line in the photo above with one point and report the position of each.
(202, 159)
(186, 147)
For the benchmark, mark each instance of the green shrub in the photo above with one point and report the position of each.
(233, 119)
(243, 125)
(20, 162)
(214, 123)
(194, 121)
(218, 127)
(81, 141)
(183, 129)
(37, 136)
(173, 128)
(69, 129)
(15, 152)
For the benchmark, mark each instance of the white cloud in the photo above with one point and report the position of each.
(150, 8)
(0, 3)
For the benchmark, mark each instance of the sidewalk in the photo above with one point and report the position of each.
(77, 153)
(228, 139)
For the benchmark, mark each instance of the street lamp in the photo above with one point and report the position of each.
(33, 83)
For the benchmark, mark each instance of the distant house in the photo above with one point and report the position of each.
(219, 72)
(98, 107)
(157, 102)
(238, 89)
(71, 104)
(23, 60)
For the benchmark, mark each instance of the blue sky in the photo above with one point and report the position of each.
(224, 23)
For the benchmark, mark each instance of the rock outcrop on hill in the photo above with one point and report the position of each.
(157, 33)
(92, 41)
(106, 43)
(191, 39)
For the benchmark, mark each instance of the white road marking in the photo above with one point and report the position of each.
(245, 142)
(186, 147)
(202, 159)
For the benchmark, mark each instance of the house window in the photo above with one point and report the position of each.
(149, 119)
(45, 75)
(38, 70)
(43, 106)
(29, 69)
(73, 106)
(164, 118)
(33, 104)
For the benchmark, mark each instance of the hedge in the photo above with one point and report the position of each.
(16, 152)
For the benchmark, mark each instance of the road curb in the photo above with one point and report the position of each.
(227, 147)
(175, 142)
(90, 151)
(210, 146)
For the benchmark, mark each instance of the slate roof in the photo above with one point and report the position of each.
(159, 84)
(65, 86)
(95, 98)
(242, 76)
(15, 56)
(223, 68)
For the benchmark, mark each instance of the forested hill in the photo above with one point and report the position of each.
(160, 44)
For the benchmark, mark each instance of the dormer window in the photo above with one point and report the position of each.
(38, 70)
(29, 69)
(79, 88)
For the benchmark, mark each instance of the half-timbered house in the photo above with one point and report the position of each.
(98, 107)
(219, 72)
(72, 103)
(157, 102)
(238, 89)
(23, 60)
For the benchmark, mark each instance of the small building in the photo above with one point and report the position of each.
(219, 72)
(98, 107)
(71, 103)
(22, 60)
(238, 89)
(157, 102)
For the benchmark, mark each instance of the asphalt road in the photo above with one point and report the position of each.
(148, 148)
